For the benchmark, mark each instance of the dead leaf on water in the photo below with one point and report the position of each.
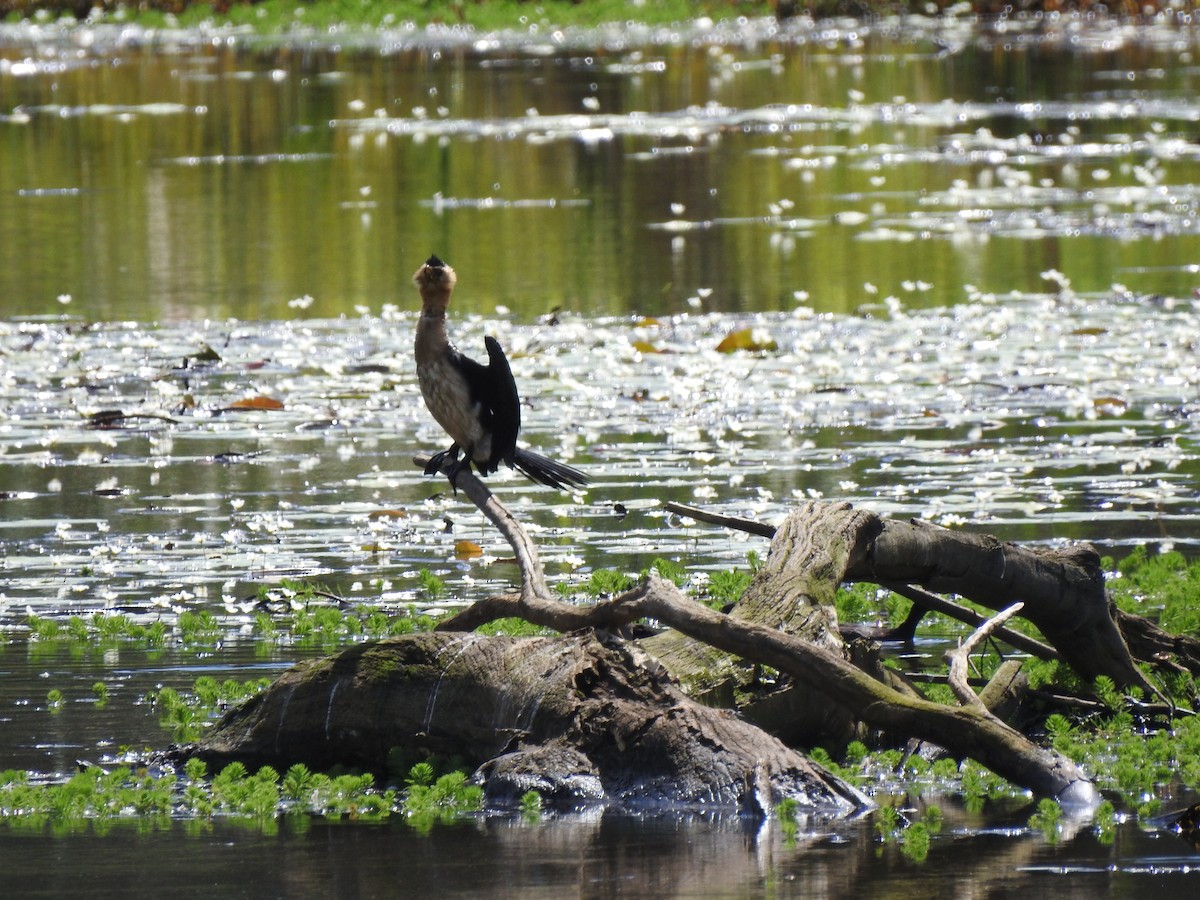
(467, 550)
(751, 339)
(1109, 406)
(647, 347)
(259, 402)
(387, 514)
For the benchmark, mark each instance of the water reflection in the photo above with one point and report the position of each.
(586, 856)
(180, 178)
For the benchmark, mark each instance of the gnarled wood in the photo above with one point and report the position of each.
(583, 718)
(576, 715)
(808, 559)
(1062, 589)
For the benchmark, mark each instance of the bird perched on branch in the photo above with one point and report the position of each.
(477, 405)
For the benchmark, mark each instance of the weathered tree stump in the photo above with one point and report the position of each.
(821, 545)
(583, 718)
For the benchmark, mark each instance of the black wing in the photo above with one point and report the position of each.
(506, 405)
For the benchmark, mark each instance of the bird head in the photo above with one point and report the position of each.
(435, 281)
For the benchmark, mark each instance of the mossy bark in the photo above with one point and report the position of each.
(582, 718)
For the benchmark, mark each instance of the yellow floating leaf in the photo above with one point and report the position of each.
(648, 322)
(646, 347)
(750, 339)
(387, 514)
(1089, 332)
(1111, 406)
(467, 550)
(259, 402)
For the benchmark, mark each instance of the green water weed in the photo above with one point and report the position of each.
(432, 587)
(914, 842)
(785, 812)
(669, 569)
(531, 806)
(1165, 586)
(428, 801)
(1047, 819)
(727, 587)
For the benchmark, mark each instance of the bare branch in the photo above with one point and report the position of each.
(750, 526)
(934, 603)
(533, 578)
(959, 658)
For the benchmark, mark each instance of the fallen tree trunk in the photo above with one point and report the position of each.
(804, 568)
(586, 716)
(965, 732)
(582, 719)
(1062, 590)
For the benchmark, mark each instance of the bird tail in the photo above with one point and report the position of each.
(550, 473)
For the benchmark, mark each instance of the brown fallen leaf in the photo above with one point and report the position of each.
(1109, 406)
(647, 347)
(467, 550)
(259, 402)
(746, 339)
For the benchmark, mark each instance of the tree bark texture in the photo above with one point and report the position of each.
(582, 718)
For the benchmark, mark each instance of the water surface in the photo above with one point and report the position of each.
(967, 259)
(183, 176)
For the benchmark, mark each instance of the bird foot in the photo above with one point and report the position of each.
(456, 464)
(438, 459)
(452, 473)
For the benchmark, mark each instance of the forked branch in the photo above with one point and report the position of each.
(965, 732)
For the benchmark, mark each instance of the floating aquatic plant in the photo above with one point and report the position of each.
(428, 800)
(1047, 819)
(531, 806)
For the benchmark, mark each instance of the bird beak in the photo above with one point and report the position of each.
(433, 273)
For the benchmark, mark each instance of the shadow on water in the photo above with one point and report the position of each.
(967, 260)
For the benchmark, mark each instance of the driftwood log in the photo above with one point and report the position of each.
(582, 719)
(591, 716)
(810, 556)
(1062, 590)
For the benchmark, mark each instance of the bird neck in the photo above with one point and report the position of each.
(432, 340)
